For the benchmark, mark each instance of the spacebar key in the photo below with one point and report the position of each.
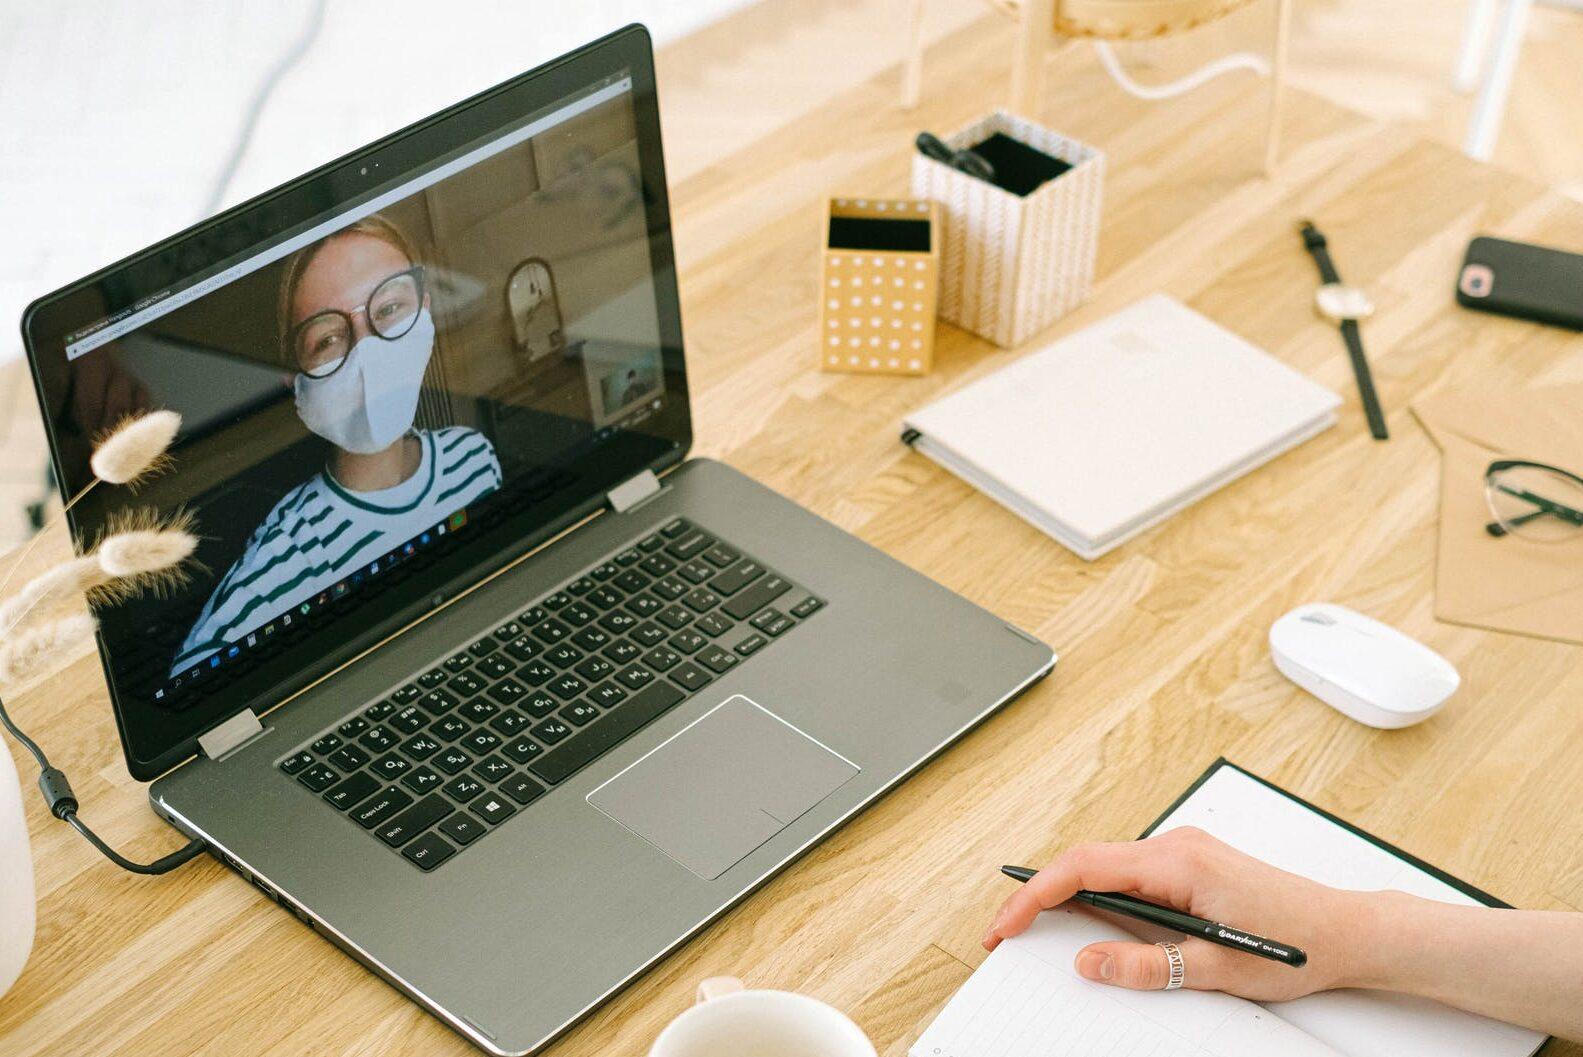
(606, 732)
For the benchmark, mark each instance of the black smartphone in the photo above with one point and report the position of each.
(1523, 280)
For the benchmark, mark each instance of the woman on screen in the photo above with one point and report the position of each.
(356, 328)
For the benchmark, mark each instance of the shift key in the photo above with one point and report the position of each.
(756, 597)
(414, 820)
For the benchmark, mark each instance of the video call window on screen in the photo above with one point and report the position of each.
(353, 401)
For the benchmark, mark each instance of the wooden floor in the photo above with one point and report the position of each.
(1163, 658)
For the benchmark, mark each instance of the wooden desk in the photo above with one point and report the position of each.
(1163, 658)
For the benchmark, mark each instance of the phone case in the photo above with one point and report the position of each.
(1518, 279)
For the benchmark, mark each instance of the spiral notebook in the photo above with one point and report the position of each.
(1026, 1000)
(1116, 427)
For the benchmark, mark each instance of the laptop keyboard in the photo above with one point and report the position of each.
(460, 748)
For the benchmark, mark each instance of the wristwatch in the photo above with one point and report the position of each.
(1345, 306)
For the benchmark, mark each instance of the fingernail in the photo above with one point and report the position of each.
(1093, 965)
(989, 936)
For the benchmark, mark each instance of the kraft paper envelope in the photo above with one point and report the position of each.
(1506, 584)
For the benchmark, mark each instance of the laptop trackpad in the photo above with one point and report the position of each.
(723, 785)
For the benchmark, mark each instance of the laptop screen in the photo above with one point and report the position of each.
(384, 396)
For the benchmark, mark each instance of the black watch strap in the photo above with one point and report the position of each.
(1314, 241)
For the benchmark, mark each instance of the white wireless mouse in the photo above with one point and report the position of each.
(1360, 667)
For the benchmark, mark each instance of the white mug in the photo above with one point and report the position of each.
(729, 1021)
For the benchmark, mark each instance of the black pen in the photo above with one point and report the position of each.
(1177, 921)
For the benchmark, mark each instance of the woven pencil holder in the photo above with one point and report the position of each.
(1011, 265)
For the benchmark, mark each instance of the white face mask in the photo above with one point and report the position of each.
(372, 399)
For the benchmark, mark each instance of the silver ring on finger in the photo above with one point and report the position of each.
(1173, 954)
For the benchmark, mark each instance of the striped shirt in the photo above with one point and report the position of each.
(320, 532)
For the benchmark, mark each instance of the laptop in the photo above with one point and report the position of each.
(473, 652)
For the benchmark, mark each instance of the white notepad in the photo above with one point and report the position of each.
(1027, 1001)
(1115, 427)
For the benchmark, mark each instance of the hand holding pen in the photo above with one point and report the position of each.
(1196, 878)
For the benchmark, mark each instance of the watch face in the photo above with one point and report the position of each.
(1338, 302)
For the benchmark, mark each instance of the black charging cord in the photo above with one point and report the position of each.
(62, 804)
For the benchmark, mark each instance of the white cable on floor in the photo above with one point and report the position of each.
(1242, 60)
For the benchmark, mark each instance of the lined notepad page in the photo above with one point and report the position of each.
(1027, 1001)
(1267, 824)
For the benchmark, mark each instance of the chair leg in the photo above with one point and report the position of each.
(1490, 106)
(1035, 25)
(1475, 42)
(912, 70)
(1283, 40)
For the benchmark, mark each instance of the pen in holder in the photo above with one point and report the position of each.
(1019, 253)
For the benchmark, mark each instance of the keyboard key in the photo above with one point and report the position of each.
(508, 631)
(538, 704)
(522, 789)
(508, 692)
(700, 600)
(466, 684)
(451, 760)
(409, 720)
(557, 600)
(481, 741)
(326, 745)
(690, 675)
(439, 702)
(494, 666)
(657, 565)
(432, 678)
(414, 820)
(377, 740)
(567, 687)
(462, 788)
(635, 676)
(457, 661)
(390, 767)
(670, 588)
(493, 810)
(579, 713)
(591, 639)
(522, 749)
(350, 758)
(352, 727)
(493, 769)
(483, 647)
(351, 791)
(609, 730)
(508, 723)
(690, 544)
(720, 555)
(618, 622)
(751, 645)
(449, 728)
(752, 599)
(379, 807)
(581, 586)
(534, 614)
(713, 624)
(420, 746)
(594, 669)
(644, 605)
(688, 641)
(675, 528)
(524, 648)
(662, 659)
(807, 607)
(696, 572)
(652, 543)
(551, 731)
(773, 622)
(737, 577)
(675, 616)
(421, 780)
(563, 656)
(462, 828)
(551, 631)
(318, 777)
(604, 598)
(536, 673)
(605, 571)
(406, 695)
(717, 659)
(479, 708)
(380, 712)
(607, 695)
(630, 556)
(631, 581)
(296, 762)
(644, 635)
(577, 614)
(428, 851)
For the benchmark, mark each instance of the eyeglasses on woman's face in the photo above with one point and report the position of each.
(320, 343)
(1534, 501)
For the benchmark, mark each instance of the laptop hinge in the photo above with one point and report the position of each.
(634, 490)
(231, 735)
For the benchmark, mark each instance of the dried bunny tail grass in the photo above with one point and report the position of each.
(135, 448)
(143, 551)
(48, 593)
(35, 651)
